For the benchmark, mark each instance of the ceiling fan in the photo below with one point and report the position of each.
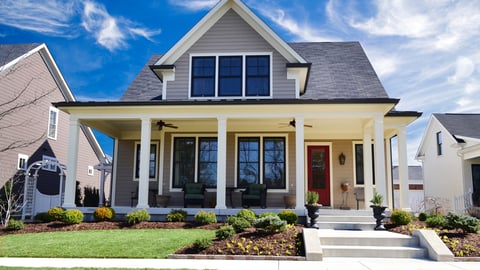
(162, 124)
(292, 123)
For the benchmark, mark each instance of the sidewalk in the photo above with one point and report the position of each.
(330, 264)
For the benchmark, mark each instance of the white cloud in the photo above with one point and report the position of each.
(463, 69)
(194, 5)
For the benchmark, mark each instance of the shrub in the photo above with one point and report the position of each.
(465, 223)
(201, 244)
(137, 216)
(72, 216)
(271, 224)
(422, 216)
(42, 217)
(289, 216)
(104, 214)
(239, 224)
(225, 232)
(55, 213)
(202, 217)
(177, 215)
(400, 217)
(436, 221)
(247, 214)
(266, 214)
(15, 225)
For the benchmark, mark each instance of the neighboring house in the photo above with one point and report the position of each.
(231, 103)
(33, 132)
(450, 153)
(415, 188)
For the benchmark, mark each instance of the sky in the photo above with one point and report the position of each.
(426, 53)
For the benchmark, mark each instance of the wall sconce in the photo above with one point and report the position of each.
(341, 159)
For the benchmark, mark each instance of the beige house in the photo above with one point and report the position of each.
(231, 104)
(450, 154)
(34, 135)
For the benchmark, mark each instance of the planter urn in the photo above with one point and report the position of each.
(313, 212)
(379, 215)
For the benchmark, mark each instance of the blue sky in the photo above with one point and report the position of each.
(425, 52)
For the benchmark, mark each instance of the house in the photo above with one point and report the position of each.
(34, 134)
(231, 104)
(450, 154)
(415, 188)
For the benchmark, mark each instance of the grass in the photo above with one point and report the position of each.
(76, 268)
(142, 243)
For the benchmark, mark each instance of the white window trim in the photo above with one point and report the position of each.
(51, 165)
(156, 160)
(355, 162)
(52, 109)
(172, 152)
(217, 55)
(261, 136)
(90, 170)
(20, 157)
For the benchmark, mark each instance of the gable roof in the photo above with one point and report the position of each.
(146, 85)
(11, 54)
(464, 125)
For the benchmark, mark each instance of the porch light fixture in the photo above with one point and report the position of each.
(341, 159)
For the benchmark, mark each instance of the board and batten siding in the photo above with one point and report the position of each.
(231, 34)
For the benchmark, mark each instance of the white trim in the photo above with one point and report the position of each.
(354, 164)
(197, 136)
(90, 170)
(244, 76)
(330, 154)
(135, 161)
(25, 162)
(54, 125)
(261, 136)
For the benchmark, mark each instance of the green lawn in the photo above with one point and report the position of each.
(148, 243)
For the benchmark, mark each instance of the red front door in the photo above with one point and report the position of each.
(319, 172)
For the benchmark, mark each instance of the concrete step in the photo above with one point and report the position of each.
(355, 222)
(369, 244)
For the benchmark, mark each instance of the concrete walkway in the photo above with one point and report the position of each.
(329, 263)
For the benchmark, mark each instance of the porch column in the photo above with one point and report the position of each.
(367, 166)
(403, 169)
(161, 161)
(388, 162)
(299, 163)
(379, 146)
(221, 162)
(144, 163)
(70, 183)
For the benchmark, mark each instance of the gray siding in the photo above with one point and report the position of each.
(231, 34)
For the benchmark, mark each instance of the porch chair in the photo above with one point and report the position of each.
(359, 195)
(255, 194)
(193, 193)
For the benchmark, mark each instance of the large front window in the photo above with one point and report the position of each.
(152, 161)
(194, 160)
(232, 76)
(359, 165)
(261, 160)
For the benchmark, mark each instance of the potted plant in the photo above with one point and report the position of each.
(378, 210)
(313, 208)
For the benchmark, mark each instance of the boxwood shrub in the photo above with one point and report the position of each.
(72, 216)
(104, 214)
(400, 217)
(176, 215)
(137, 216)
(55, 213)
(289, 216)
(202, 217)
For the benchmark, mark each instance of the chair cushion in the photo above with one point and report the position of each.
(194, 196)
(193, 188)
(256, 189)
(251, 196)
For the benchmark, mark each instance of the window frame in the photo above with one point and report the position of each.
(23, 157)
(217, 94)
(52, 130)
(261, 163)
(197, 138)
(52, 167)
(136, 157)
(356, 184)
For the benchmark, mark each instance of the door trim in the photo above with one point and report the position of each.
(305, 165)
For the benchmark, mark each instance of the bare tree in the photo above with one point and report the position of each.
(11, 199)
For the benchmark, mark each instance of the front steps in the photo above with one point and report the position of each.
(369, 244)
(361, 220)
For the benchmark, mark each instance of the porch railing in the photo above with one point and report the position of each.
(463, 203)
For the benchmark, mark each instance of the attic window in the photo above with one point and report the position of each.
(439, 143)
(231, 76)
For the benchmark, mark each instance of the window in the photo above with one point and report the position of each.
(152, 167)
(359, 172)
(52, 123)
(22, 162)
(261, 153)
(49, 163)
(90, 170)
(439, 143)
(231, 76)
(192, 165)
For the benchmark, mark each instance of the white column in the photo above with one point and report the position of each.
(143, 180)
(221, 162)
(69, 198)
(388, 163)
(367, 166)
(161, 160)
(380, 181)
(403, 169)
(300, 163)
